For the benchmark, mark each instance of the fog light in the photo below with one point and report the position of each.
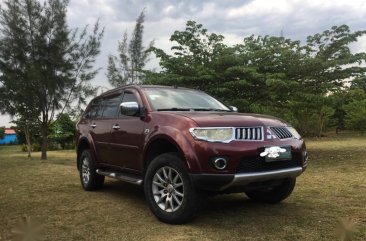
(220, 163)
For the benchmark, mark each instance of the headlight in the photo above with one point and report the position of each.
(294, 132)
(213, 134)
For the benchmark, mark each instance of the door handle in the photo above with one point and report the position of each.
(116, 127)
(93, 125)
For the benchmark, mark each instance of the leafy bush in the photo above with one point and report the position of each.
(62, 131)
(34, 147)
(355, 118)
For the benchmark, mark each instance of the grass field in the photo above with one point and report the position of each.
(332, 189)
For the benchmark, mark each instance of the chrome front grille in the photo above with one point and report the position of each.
(281, 132)
(249, 133)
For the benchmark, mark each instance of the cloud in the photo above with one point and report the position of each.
(258, 7)
(300, 18)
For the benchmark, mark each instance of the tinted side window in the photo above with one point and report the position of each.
(94, 109)
(98, 110)
(129, 97)
(110, 106)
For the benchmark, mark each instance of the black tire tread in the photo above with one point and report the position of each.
(96, 181)
(189, 207)
(275, 195)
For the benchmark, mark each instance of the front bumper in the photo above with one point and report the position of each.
(222, 182)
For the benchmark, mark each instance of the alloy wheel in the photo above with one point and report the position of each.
(168, 189)
(85, 170)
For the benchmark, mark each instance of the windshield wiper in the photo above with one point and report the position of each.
(175, 109)
(210, 109)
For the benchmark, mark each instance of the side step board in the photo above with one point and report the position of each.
(130, 178)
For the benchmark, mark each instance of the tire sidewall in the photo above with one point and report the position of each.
(188, 206)
(95, 180)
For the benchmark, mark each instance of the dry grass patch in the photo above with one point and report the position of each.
(332, 189)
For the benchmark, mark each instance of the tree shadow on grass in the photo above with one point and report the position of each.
(122, 189)
(233, 210)
(223, 210)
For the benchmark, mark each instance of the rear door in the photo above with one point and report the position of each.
(97, 130)
(101, 126)
(127, 136)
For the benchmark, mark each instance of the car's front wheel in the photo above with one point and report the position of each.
(273, 194)
(169, 191)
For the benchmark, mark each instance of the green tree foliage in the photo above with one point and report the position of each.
(28, 134)
(17, 62)
(359, 83)
(351, 108)
(355, 118)
(127, 67)
(44, 65)
(2, 133)
(62, 130)
(271, 75)
(193, 58)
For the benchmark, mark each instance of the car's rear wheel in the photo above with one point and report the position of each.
(273, 194)
(90, 180)
(169, 191)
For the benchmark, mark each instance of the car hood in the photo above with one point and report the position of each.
(228, 119)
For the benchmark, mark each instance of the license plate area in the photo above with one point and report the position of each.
(282, 156)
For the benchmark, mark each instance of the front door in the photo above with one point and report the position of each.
(127, 136)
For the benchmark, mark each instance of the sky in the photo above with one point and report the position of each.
(234, 19)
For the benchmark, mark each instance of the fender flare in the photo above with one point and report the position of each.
(182, 144)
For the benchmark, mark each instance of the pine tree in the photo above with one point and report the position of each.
(127, 68)
(44, 65)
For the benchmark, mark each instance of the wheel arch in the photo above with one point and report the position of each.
(82, 145)
(159, 145)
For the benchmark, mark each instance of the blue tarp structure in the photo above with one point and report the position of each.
(9, 138)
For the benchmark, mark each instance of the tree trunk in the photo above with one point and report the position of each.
(321, 129)
(322, 122)
(27, 138)
(44, 141)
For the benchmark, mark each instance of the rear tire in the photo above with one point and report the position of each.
(169, 191)
(274, 194)
(90, 180)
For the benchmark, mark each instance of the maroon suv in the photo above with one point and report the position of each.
(180, 144)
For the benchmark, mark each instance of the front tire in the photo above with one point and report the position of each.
(274, 194)
(169, 191)
(90, 180)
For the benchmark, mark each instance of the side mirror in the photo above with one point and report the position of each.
(233, 108)
(129, 108)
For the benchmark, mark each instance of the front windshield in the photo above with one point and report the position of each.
(162, 99)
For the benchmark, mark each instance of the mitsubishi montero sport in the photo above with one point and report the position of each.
(181, 143)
